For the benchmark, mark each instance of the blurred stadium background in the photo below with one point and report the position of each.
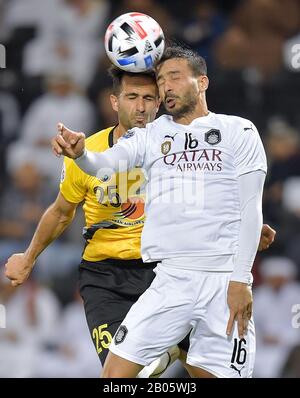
(56, 71)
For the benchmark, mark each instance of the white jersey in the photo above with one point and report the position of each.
(193, 205)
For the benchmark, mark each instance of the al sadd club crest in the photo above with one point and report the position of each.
(213, 136)
(165, 147)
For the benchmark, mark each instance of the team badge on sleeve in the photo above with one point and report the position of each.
(121, 334)
(213, 137)
(128, 134)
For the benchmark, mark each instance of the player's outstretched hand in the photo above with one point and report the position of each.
(239, 299)
(67, 142)
(267, 237)
(18, 268)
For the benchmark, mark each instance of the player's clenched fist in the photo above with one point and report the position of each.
(267, 237)
(67, 142)
(18, 268)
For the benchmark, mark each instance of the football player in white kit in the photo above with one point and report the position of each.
(206, 241)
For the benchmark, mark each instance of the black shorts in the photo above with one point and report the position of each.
(109, 288)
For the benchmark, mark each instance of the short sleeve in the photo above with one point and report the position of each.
(249, 153)
(72, 184)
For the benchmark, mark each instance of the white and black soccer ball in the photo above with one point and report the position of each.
(134, 42)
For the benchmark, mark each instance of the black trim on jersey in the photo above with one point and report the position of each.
(111, 136)
(88, 233)
(113, 263)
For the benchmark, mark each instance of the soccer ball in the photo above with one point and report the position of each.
(134, 42)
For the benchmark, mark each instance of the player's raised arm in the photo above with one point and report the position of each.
(125, 155)
(67, 142)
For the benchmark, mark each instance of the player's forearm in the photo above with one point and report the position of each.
(112, 161)
(250, 190)
(50, 227)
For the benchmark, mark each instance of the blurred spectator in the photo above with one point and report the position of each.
(291, 368)
(291, 196)
(257, 34)
(2, 33)
(290, 218)
(72, 354)
(266, 16)
(29, 13)
(152, 8)
(22, 205)
(101, 79)
(73, 44)
(31, 317)
(25, 199)
(62, 102)
(9, 124)
(85, 20)
(283, 149)
(283, 152)
(236, 50)
(273, 302)
(206, 24)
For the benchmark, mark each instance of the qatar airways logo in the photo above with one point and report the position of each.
(193, 160)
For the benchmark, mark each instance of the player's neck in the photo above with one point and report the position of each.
(118, 132)
(199, 111)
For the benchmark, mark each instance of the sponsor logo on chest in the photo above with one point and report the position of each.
(191, 153)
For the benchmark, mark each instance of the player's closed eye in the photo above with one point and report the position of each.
(148, 98)
(131, 96)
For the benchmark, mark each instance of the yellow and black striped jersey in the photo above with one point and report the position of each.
(113, 206)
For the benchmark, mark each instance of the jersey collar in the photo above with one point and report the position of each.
(111, 136)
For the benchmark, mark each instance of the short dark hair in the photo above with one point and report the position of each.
(117, 75)
(195, 61)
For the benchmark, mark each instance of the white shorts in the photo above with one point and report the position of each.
(177, 302)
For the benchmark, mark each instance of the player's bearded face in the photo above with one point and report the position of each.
(182, 104)
(177, 87)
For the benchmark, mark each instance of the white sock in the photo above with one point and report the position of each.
(157, 367)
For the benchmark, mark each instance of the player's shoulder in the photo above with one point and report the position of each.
(161, 122)
(234, 121)
(156, 125)
(234, 125)
(163, 119)
(99, 141)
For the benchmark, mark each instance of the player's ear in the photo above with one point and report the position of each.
(114, 102)
(158, 104)
(203, 83)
